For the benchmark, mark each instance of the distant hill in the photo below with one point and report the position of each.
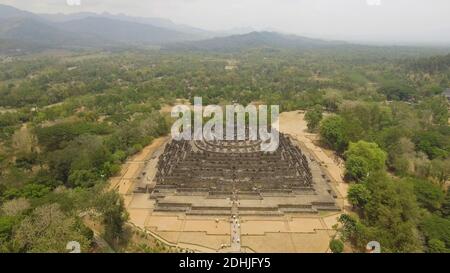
(253, 40)
(122, 31)
(31, 31)
(81, 30)
(157, 22)
(88, 29)
(8, 12)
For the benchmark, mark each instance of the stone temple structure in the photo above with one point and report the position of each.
(236, 177)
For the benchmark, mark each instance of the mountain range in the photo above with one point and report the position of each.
(253, 39)
(22, 31)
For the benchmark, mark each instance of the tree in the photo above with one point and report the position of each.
(392, 213)
(56, 136)
(6, 228)
(333, 134)
(445, 209)
(358, 195)
(110, 169)
(15, 207)
(83, 178)
(440, 170)
(397, 91)
(313, 117)
(332, 99)
(119, 156)
(111, 205)
(353, 230)
(437, 246)
(433, 143)
(48, 230)
(362, 158)
(438, 228)
(429, 195)
(81, 162)
(439, 109)
(336, 246)
(356, 168)
(33, 190)
(390, 217)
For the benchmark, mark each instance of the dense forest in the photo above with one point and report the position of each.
(68, 120)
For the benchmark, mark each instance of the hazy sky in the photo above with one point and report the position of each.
(419, 21)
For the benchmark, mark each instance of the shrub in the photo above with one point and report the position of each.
(336, 246)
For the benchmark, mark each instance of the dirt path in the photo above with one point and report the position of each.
(133, 166)
(294, 124)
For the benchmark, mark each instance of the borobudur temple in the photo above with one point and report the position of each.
(220, 176)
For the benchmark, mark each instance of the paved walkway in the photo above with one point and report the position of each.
(235, 226)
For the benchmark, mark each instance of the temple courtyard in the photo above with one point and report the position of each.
(226, 197)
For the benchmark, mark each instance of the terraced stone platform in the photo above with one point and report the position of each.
(212, 177)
